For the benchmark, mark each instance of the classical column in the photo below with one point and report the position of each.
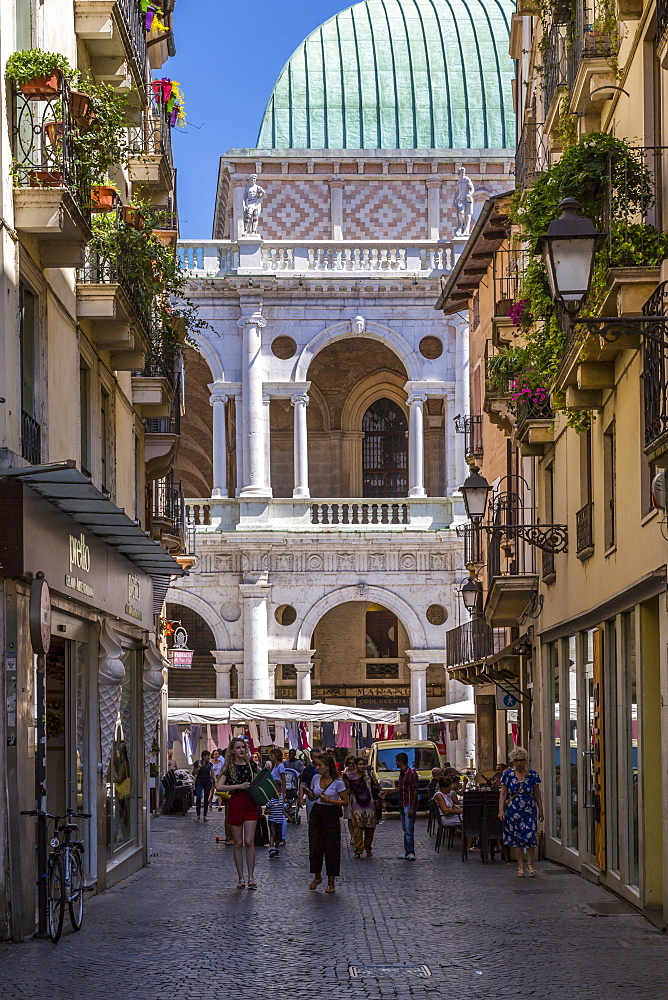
(336, 186)
(241, 684)
(300, 402)
(266, 407)
(416, 403)
(223, 685)
(303, 667)
(218, 400)
(433, 207)
(237, 224)
(255, 480)
(418, 703)
(272, 680)
(256, 642)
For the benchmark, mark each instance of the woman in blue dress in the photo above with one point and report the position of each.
(520, 809)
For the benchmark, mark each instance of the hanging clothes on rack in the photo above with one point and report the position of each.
(293, 736)
(210, 743)
(265, 738)
(344, 734)
(249, 739)
(172, 735)
(255, 735)
(187, 745)
(390, 733)
(279, 735)
(441, 726)
(303, 737)
(196, 735)
(327, 734)
(224, 735)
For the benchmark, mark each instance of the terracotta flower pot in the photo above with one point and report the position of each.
(45, 178)
(166, 236)
(80, 107)
(102, 198)
(53, 132)
(132, 217)
(42, 86)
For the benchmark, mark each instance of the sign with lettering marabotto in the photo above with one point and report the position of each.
(180, 659)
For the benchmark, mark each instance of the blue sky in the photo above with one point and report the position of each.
(229, 55)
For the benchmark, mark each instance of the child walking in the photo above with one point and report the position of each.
(276, 813)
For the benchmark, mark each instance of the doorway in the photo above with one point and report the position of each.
(66, 726)
(385, 450)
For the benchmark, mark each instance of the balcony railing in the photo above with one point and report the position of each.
(472, 642)
(153, 135)
(586, 42)
(531, 409)
(495, 384)
(172, 423)
(507, 553)
(471, 428)
(168, 502)
(532, 156)
(555, 62)
(100, 269)
(135, 25)
(584, 531)
(474, 553)
(45, 155)
(341, 514)
(508, 272)
(655, 371)
(31, 439)
(215, 258)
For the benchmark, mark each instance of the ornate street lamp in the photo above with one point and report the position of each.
(475, 491)
(568, 249)
(471, 592)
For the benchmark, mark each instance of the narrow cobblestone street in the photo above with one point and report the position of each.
(181, 929)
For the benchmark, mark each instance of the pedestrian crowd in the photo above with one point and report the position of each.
(260, 800)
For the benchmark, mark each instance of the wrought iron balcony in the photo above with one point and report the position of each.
(532, 156)
(472, 642)
(44, 132)
(134, 22)
(655, 374)
(100, 269)
(172, 423)
(168, 502)
(587, 43)
(584, 531)
(531, 409)
(471, 428)
(548, 568)
(555, 62)
(31, 439)
(152, 136)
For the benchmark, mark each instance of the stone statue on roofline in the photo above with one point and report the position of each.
(463, 203)
(253, 195)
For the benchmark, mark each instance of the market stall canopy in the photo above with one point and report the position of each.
(281, 712)
(463, 710)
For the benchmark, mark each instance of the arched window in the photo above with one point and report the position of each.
(384, 450)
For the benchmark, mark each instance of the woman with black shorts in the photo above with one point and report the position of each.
(242, 813)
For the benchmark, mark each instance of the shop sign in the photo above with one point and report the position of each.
(134, 597)
(40, 615)
(79, 563)
(180, 657)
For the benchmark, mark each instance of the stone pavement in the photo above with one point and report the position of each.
(179, 929)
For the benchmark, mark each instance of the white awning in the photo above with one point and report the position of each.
(463, 710)
(281, 712)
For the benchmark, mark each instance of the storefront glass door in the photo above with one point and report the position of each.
(589, 796)
(66, 726)
(123, 775)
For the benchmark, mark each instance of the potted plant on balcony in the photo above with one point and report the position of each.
(103, 144)
(103, 197)
(37, 73)
(133, 216)
(162, 90)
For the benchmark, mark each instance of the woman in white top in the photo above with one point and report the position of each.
(328, 792)
(450, 812)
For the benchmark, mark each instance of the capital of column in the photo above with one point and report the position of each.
(218, 397)
(303, 668)
(416, 660)
(302, 398)
(227, 657)
(434, 182)
(223, 668)
(417, 397)
(336, 182)
(255, 320)
(258, 590)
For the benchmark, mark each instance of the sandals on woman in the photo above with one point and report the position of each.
(252, 884)
(532, 871)
(315, 883)
(520, 872)
(330, 888)
(241, 884)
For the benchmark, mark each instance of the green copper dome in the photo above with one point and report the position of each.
(398, 74)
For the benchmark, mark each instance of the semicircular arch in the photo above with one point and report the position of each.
(381, 384)
(372, 331)
(204, 610)
(209, 354)
(371, 595)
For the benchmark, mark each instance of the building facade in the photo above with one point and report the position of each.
(89, 411)
(584, 408)
(325, 478)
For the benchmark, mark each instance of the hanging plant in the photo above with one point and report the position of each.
(37, 73)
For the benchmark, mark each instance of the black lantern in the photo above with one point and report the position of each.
(568, 249)
(475, 490)
(471, 591)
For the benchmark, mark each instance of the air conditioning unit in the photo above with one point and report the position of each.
(660, 489)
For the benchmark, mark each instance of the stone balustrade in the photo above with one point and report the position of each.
(216, 258)
(303, 514)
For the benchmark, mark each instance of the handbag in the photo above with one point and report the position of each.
(263, 788)
(261, 838)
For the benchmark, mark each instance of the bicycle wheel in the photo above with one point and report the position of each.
(56, 894)
(76, 899)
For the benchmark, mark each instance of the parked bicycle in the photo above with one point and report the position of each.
(65, 872)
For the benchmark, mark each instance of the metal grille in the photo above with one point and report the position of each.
(532, 156)
(508, 270)
(586, 42)
(44, 140)
(152, 135)
(507, 553)
(134, 22)
(31, 439)
(384, 451)
(471, 427)
(655, 367)
(100, 269)
(168, 504)
(584, 529)
(555, 63)
(172, 423)
(472, 642)
(531, 409)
